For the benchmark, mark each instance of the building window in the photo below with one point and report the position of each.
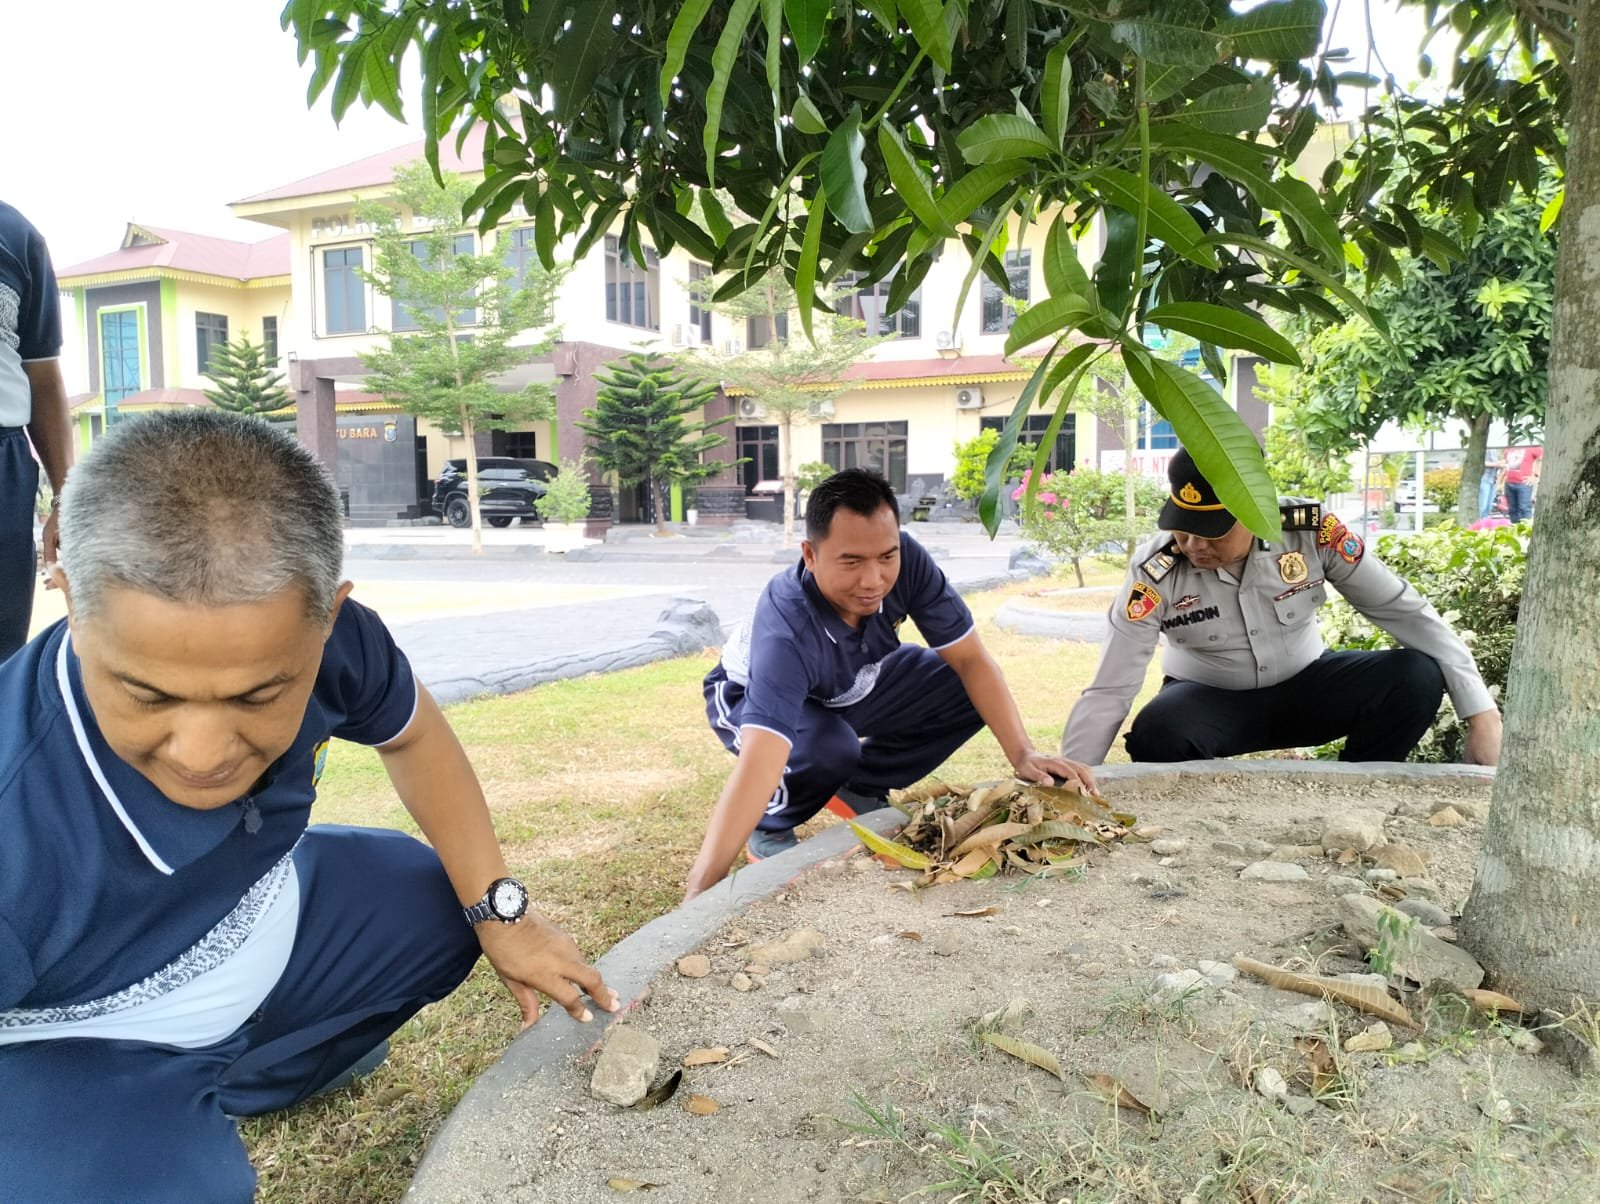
(521, 255)
(522, 445)
(633, 291)
(344, 293)
(870, 306)
(1065, 452)
(405, 314)
(758, 331)
(269, 339)
(758, 446)
(876, 445)
(1155, 432)
(699, 314)
(210, 333)
(119, 354)
(997, 315)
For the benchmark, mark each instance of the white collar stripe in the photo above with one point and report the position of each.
(65, 682)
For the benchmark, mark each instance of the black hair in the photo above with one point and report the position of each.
(860, 490)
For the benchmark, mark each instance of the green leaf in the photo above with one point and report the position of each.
(717, 223)
(981, 259)
(1223, 447)
(722, 60)
(807, 21)
(904, 854)
(1004, 136)
(1225, 327)
(805, 276)
(1303, 265)
(806, 117)
(1063, 271)
(1057, 98)
(1171, 36)
(844, 175)
(383, 85)
(1167, 220)
(686, 234)
(1236, 109)
(1552, 211)
(544, 231)
(1298, 200)
(1279, 31)
(1121, 259)
(959, 200)
(348, 86)
(684, 27)
(1019, 16)
(933, 36)
(581, 52)
(1439, 248)
(1046, 318)
(909, 183)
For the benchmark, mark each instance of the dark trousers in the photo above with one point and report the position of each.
(19, 485)
(917, 714)
(381, 935)
(1380, 702)
(1519, 500)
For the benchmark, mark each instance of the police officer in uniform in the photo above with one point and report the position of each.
(1245, 666)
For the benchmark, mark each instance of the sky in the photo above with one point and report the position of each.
(163, 111)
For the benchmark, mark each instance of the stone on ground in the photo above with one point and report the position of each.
(626, 1066)
(1418, 954)
(1359, 829)
(794, 947)
(1273, 871)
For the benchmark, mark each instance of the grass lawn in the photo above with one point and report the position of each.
(600, 789)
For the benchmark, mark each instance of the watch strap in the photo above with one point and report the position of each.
(479, 911)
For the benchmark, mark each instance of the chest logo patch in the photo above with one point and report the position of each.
(1186, 602)
(1292, 568)
(1142, 601)
(319, 762)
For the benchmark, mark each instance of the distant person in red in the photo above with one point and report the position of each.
(1522, 477)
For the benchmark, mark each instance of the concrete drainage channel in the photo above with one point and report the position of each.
(1027, 617)
(479, 1154)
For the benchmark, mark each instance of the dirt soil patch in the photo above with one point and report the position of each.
(864, 1073)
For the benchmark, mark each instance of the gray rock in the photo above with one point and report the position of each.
(1168, 846)
(1359, 829)
(1431, 914)
(1228, 848)
(1341, 885)
(1254, 847)
(800, 1020)
(1165, 961)
(626, 1066)
(1306, 1017)
(1215, 826)
(1218, 974)
(1300, 1105)
(1270, 1083)
(1364, 980)
(1169, 988)
(1297, 852)
(1382, 876)
(1273, 871)
(1425, 888)
(946, 943)
(1028, 560)
(1419, 955)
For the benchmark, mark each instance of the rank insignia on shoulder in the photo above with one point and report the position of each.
(1159, 565)
(1300, 516)
(1143, 601)
(1292, 568)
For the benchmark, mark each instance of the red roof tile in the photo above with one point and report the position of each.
(158, 247)
(377, 169)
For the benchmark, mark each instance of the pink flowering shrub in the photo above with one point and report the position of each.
(1078, 514)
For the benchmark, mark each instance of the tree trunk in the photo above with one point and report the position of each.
(1533, 918)
(469, 433)
(660, 499)
(785, 443)
(1472, 467)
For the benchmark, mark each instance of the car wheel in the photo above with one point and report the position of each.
(503, 520)
(457, 512)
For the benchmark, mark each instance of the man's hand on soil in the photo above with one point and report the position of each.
(533, 955)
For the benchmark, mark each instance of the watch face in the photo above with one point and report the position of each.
(508, 899)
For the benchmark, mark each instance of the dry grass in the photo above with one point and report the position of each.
(600, 789)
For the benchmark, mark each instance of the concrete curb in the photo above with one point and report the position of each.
(1088, 626)
(474, 1133)
(473, 1156)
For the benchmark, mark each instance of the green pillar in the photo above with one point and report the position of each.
(677, 501)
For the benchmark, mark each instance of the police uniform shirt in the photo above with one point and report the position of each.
(1255, 630)
(125, 915)
(797, 649)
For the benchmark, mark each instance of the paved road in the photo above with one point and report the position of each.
(516, 617)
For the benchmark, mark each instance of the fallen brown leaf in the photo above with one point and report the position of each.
(758, 1043)
(707, 1056)
(1030, 1053)
(700, 1105)
(1116, 1091)
(1319, 1061)
(973, 912)
(909, 935)
(1363, 998)
(987, 838)
(661, 1093)
(620, 1184)
(1491, 1001)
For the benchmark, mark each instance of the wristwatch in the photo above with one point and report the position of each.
(506, 900)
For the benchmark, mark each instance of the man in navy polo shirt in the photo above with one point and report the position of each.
(818, 698)
(177, 947)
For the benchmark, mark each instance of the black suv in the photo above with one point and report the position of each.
(507, 489)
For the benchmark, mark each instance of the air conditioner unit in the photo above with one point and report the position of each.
(691, 335)
(733, 347)
(945, 340)
(969, 399)
(823, 409)
(749, 407)
(677, 336)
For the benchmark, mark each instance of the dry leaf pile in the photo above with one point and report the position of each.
(958, 832)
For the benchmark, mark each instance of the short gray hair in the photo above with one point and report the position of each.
(201, 507)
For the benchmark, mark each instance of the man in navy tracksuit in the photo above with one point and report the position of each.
(818, 698)
(177, 946)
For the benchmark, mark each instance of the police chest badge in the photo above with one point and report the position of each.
(319, 762)
(1292, 568)
(1142, 601)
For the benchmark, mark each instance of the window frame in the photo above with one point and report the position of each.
(269, 338)
(206, 328)
(700, 314)
(351, 274)
(902, 323)
(623, 277)
(1019, 271)
(836, 436)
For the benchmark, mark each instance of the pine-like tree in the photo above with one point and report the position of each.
(245, 382)
(639, 427)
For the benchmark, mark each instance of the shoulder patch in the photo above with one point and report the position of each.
(1330, 531)
(1159, 565)
(1142, 601)
(1300, 516)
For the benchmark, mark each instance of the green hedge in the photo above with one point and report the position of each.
(1474, 579)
